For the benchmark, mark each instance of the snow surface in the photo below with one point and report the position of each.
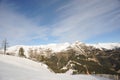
(16, 68)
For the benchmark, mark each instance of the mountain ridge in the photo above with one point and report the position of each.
(80, 57)
(62, 46)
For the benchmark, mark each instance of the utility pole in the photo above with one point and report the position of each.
(5, 45)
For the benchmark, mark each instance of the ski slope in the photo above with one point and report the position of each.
(16, 68)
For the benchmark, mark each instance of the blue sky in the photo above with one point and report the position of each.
(35, 22)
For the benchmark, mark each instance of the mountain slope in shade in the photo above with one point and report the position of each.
(15, 68)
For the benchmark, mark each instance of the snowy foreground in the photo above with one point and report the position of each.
(16, 68)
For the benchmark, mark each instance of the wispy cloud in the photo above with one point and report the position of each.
(69, 21)
(82, 19)
(18, 28)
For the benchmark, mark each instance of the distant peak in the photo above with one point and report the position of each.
(78, 42)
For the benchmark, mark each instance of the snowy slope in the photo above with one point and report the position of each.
(15, 68)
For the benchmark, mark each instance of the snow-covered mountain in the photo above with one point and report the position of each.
(108, 46)
(53, 47)
(61, 47)
(16, 68)
(78, 57)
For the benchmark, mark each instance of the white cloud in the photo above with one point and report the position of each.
(17, 28)
(82, 19)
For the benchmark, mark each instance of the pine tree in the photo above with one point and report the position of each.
(21, 52)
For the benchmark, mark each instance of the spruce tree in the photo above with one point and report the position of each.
(21, 52)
